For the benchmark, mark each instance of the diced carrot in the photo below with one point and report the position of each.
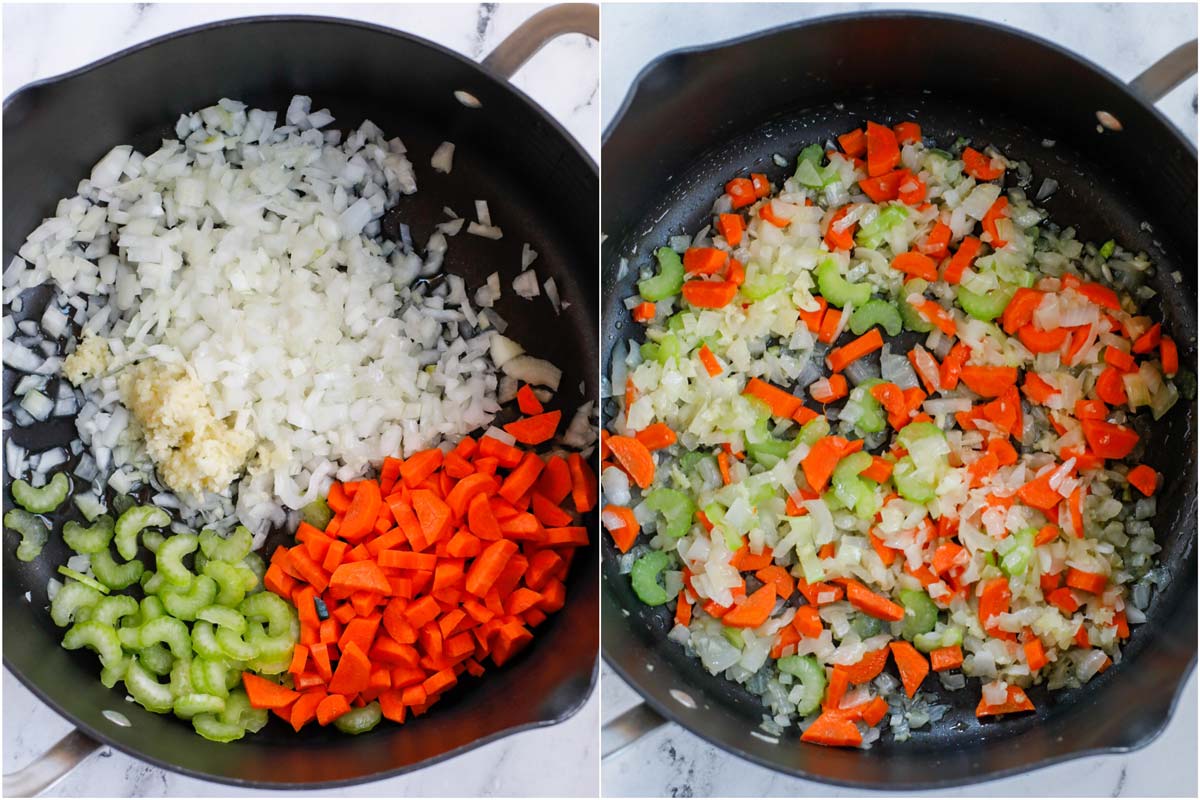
(263, 693)
(1035, 654)
(812, 319)
(916, 264)
(782, 404)
(741, 191)
(944, 658)
(907, 132)
(625, 535)
(854, 143)
(704, 260)
(656, 436)
(1017, 701)
(830, 389)
(868, 667)
(1107, 439)
(879, 471)
(838, 237)
(709, 294)
(993, 601)
(999, 209)
(937, 242)
(1144, 478)
(832, 730)
(536, 429)
(711, 365)
(1036, 389)
(979, 166)
(1169, 354)
(871, 603)
(754, 610)
(963, 258)
(331, 707)
(830, 322)
(912, 665)
(732, 227)
(883, 152)
(841, 357)
(989, 381)
(1090, 582)
(634, 458)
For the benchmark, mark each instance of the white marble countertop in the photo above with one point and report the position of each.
(45, 40)
(1124, 39)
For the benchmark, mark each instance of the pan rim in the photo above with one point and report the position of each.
(995, 27)
(320, 19)
(1116, 84)
(498, 83)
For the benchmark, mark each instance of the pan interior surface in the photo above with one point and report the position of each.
(541, 189)
(708, 131)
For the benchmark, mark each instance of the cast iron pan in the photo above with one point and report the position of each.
(697, 117)
(542, 189)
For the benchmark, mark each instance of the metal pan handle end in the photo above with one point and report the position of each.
(626, 729)
(51, 766)
(535, 32)
(1168, 72)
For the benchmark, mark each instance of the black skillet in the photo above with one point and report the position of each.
(542, 189)
(697, 117)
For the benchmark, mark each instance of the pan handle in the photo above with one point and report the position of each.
(51, 766)
(537, 31)
(627, 728)
(1168, 72)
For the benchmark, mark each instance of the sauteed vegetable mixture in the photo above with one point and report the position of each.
(886, 411)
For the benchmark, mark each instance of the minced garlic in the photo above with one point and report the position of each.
(193, 450)
(90, 359)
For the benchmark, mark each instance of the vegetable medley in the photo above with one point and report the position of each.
(432, 542)
(887, 411)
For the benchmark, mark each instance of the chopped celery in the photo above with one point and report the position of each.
(317, 513)
(909, 316)
(668, 349)
(909, 484)
(208, 676)
(67, 572)
(765, 448)
(649, 351)
(234, 645)
(130, 524)
(1016, 561)
(761, 287)
(231, 586)
(836, 289)
(876, 312)
(866, 626)
(34, 533)
(359, 720)
(189, 705)
(223, 617)
(1107, 249)
(734, 637)
(44, 499)
(114, 575)
(184, 603)
(144, 687)
(946, 636)
(871, 418)
(851, 489)
(644, 577)
(871, 234)
(811, 675)
(99, 637)
(920, 614)
(204, 640)
(986, 306)
(110, 610)
(170, 631)
(232, 548)
(156, 659)
(669, 279)
(814, 154)
(677, 510)
(814, 430)
(170, 558)
(91, 539)
(72, 600)
(272, 609)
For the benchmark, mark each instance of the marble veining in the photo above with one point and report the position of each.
(46, 40)
(1124, 38)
